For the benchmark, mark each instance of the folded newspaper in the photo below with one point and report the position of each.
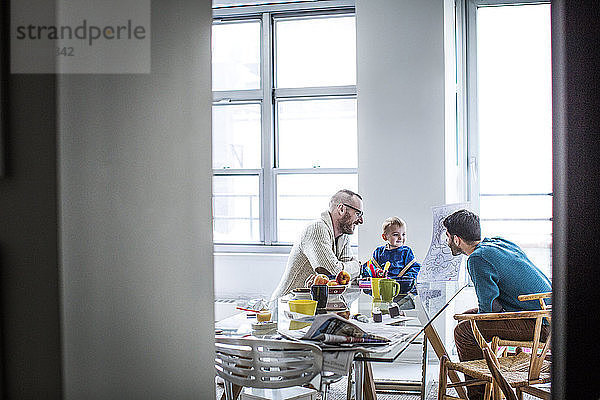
(331, 328)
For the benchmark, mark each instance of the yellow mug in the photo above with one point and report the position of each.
(375, 288)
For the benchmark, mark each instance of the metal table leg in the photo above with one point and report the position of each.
(424, 360)
(349, 386)
(359, 368)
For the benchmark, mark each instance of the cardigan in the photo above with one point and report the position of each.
(316, 247)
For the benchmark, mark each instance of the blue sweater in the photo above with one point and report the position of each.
(398, 258)
(501, 270)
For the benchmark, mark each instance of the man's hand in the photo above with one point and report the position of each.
(310, 280)
(496, 306)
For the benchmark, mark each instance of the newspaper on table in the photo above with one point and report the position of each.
(331, 328)
(338, 362)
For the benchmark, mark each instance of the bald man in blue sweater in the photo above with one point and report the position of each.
(501, 272)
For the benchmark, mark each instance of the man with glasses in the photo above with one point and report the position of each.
(324, 245)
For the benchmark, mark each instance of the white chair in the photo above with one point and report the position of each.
(266, 363)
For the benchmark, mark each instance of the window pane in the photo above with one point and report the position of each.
(316, 52)
(514, 99)
(296, 206)
(236, 136)
(516, 206)
(317, 133)
(534, 237)
(236, 56)
(515, 126)
(229, 3)
(236, 209)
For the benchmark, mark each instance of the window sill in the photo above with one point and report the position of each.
(222, 248)
(252, 248)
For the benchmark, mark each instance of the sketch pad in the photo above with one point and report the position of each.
(439, 263)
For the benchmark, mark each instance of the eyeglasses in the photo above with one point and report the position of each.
(359, 213)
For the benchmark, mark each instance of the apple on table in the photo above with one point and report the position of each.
(343, 278)
(321, 279)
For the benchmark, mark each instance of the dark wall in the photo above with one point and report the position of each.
(576, 227)
(29, 243)
(105, 232)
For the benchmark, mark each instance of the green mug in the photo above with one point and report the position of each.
(388, 289)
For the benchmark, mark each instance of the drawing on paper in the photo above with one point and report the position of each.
(439, 263)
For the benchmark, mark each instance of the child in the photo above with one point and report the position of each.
(396, 253)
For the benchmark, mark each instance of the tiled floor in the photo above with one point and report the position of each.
(409, 369)
(338, 392)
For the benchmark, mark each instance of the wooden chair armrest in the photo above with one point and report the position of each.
(503, 315)
(535, 296)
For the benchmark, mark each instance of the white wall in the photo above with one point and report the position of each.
(135, 230)
(400, 116)
(249, 276)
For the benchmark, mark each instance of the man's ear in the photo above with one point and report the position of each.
(457, 240)
(384, 236)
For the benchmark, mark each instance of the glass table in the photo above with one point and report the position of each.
(430, 301)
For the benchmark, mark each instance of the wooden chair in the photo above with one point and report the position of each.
(266, 363)
(500, 347)
(521, 371)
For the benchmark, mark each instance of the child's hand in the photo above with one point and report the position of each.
(379, 273)
(369, 269)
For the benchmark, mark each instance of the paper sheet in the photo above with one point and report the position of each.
(439, 263)
(338, 362)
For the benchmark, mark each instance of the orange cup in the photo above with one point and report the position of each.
(263, 316)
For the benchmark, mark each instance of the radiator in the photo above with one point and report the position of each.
(225, 308)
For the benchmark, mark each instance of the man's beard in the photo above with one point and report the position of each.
(346, 224)
(454, 249)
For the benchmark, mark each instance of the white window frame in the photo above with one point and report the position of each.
(268, 96)
(466, 11)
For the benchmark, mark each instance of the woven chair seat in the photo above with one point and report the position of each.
(514, 368)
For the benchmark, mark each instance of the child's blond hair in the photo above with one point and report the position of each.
(392, 221)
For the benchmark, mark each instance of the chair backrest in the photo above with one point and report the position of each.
(266, 363)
